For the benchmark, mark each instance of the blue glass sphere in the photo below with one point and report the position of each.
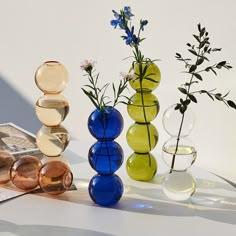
(106, 157)
(106, 124)
(106, 190)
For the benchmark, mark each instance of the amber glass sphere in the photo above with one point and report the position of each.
(142, 138)
(6, 160)
(55, 177)
(151, 76)
(24, 172)
(141, 167)
(52, 109)
(52, 141)
(51, 77)
(136, 109)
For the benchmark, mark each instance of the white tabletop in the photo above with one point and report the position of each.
(143, 209)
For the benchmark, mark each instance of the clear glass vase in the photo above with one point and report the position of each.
(179, 154)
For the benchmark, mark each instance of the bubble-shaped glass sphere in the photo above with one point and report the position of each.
(142, 138)
(179, 185)
(106, 157)
(52, 141)
(106, 190)
(135, 107)
(141, 167)
(55, 177)
(6, 160)
(185, 154)
(51, 77)
(52, 109)
(151, 78)
(24, 172)
(105, 124)
(172, 119)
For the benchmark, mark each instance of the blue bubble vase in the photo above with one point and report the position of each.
(105, 156)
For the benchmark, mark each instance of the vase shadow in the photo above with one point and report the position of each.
(16, 109)
(38, 230)
(218, 208)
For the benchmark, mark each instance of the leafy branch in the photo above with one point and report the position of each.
(194, 67)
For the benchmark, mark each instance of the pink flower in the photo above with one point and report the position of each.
(87, 65)
(127, 76)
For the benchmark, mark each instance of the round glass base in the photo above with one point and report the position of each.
(106, 190)
(179, 185)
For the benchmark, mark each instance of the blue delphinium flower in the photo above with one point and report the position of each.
(128, 13)
(118, 21)
(130, 36)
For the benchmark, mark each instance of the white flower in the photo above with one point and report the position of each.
(87, 65)
(127, 76)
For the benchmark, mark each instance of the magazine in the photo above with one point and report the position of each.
(17, 141)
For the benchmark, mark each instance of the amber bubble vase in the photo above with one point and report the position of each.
(143, 107)
(55, 176)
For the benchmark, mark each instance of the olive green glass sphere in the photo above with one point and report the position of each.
(150, 75)
(140, 102)
(141, 167)
(142, 138)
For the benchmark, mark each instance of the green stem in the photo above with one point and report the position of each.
(144, 113)
(181, 124)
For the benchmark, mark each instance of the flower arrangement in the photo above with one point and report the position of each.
(123, 20)
(194, 68)
(96, 94)
(143, 106)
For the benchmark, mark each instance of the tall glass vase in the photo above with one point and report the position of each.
(143, 108)
(179, 154)
(105, 156)
(55, 176)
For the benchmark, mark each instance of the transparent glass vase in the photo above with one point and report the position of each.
(179, 154)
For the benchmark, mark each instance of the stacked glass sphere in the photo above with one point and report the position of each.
(55, 176)
(179, 154)
(22, 172)
(142, 136)
(105, 156)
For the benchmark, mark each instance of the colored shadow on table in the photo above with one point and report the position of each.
(39, 230)
(16, 109)
(218, 208)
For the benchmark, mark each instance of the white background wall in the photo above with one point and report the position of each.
(70, 31)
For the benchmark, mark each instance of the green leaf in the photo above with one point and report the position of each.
(226, 94)
(192, 51)
(210, 96)
(177, 107)
(187, 102)
(183, 109)
(199, 27)
(197, 38)
(222, 63)
(231, 104)
(192, 68)
(218, 96)
(192, 98)
(178, 55)
(199, 61)
(215, 49)
(198, 76)
(183, 90)
(150, 79)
